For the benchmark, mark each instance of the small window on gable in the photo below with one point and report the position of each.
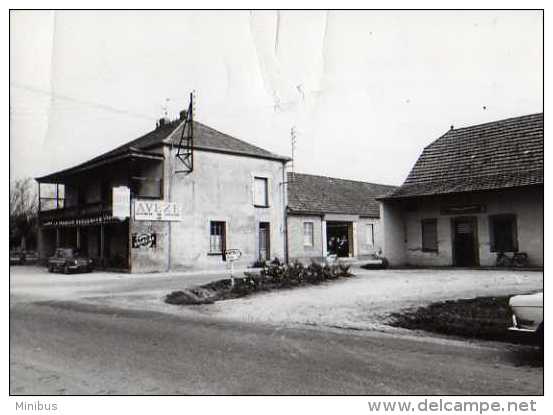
(503, 233)
(308, 237)
(429, 229)
(260, 192)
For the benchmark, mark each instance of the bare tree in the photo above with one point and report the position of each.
(23, 212)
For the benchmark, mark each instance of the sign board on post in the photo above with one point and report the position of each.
(121, 202)
(232, 255)
(156, 210)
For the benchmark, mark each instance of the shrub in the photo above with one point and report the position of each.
(259, 264)
(187, 297)
(273, 275)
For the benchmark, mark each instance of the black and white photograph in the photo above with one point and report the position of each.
(277, 203)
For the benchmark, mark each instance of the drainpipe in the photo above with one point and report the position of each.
(285, 212)
(323, 242)
(169, 196)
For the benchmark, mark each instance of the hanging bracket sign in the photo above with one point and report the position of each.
(156, 210)
(121, 202)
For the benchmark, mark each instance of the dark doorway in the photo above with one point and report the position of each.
(339, 237)
(264, 241)
(465, 242)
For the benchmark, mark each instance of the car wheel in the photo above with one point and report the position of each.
(66, 269)
(539, 336)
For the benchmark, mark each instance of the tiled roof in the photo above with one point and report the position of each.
(205, 138)
(318, 194)
(495, 155)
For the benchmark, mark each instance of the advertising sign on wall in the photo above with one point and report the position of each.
(156, 210)
(121, 202)
(143, 240)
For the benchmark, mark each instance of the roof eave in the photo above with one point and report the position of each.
(424, 195)
(131, 153)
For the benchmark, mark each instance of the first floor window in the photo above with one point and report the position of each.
(370, 234)
(308, 238)
(429, 235)
(261, 187)
(217, 236)
(503, 233)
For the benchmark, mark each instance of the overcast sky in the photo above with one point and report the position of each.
(366, 90)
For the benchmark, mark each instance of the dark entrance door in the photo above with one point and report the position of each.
(264, 241)
(465, 242)
(339, 237)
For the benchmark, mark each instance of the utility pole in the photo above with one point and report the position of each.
(293, 143)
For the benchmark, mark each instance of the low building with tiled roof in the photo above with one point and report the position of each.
(326, 215)
(473, 193)
(158, 204)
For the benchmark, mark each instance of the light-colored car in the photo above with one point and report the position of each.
(527, 313)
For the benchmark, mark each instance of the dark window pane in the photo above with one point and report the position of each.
(217, 237)
(429, 235)
(503, 233)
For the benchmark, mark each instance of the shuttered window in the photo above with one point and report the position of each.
(308, 238)
(503, 233)
(370, 234)
(217, 236)
(429, 235)
(260, 196)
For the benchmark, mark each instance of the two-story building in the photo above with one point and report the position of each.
(474, 193)
(232, 195)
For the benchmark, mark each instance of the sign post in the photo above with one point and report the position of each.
(232, 255)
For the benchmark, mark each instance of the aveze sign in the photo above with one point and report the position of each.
(156, 210)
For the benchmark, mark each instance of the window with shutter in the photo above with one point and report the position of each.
(217, 237)
(503, 233)
(429, 235)
(370, 234)
(261, 197)
(308, 237)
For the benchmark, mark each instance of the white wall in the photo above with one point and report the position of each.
(526, 204)
(220, 188)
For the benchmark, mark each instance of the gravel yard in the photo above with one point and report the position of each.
(361, 302)
(364, 301)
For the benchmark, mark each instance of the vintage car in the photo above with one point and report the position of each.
(30, 257)
(68, 260)
(17, 257)
(528, 313)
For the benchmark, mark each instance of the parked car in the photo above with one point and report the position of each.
(528, 314)
(30, 257)
(68, 260)
(16, 257)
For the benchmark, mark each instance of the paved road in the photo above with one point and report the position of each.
(61, 347)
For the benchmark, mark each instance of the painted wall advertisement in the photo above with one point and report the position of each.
(156, 210)
(143, 240)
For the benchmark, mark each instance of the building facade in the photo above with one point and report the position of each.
(178, 218)
(473, 194)
(328, 216)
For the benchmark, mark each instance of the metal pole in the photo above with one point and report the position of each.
(231, 274)
(102, 244)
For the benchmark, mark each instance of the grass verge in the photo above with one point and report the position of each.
(485, 318)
